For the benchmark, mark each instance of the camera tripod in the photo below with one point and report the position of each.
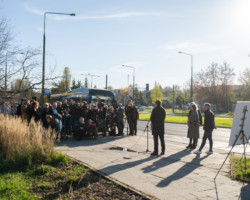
(245, 141)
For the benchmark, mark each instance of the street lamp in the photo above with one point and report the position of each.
(132, 67)
(91, 75)
(191, 96)
(44, 39)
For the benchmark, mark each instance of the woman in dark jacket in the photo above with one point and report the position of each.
(34, 112)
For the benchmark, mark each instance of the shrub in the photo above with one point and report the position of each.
(22, 144)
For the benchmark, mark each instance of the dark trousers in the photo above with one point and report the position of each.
(156, 143)
(132, 126)
(120, 126)
(207, 135)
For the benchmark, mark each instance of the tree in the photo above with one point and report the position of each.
(213, 84)
(76, 85)
(63, 85)
(110, 88)
(156, 93)
(124, 94)
(243, 92)
(86, 82)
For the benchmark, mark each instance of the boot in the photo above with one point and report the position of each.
(190, 144)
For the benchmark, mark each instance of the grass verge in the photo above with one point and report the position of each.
(59, 178)
(238, 171)
(220, 122)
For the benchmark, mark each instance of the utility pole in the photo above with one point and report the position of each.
(106, 81)
(5, 79)
(173, 99)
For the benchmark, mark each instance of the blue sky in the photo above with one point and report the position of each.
(146, 34)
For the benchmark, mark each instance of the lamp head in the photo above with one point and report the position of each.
(72, 14)
(180, 52)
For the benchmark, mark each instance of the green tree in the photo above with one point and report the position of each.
(86, 82)
(63, 85)
(156, 93)
(75, 84)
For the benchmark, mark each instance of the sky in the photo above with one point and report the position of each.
(145, 34)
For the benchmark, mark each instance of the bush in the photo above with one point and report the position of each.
(22, 145)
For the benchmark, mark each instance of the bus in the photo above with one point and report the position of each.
(91, 95)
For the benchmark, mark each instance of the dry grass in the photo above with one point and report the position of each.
(18, 141)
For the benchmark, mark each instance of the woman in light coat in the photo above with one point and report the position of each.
(193, 126)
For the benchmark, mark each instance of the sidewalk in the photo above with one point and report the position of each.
(179, 174)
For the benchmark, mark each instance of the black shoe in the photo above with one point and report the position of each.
(154, 154)
(189, 146)
(162, 153)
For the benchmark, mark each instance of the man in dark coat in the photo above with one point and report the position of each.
(209, 126)
(157, 119)
(132, 116)
(120, 119)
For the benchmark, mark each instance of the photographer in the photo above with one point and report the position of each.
(120, 119)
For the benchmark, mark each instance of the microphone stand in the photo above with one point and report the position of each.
(146, 129)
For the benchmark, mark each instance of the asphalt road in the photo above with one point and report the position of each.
(180, 131)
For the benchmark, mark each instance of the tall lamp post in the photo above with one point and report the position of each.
(192, 86)
(91, 75)
(132, 67)
(44, 41)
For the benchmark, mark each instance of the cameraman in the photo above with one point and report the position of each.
(120, 119)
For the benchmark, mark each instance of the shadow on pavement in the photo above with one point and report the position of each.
(183, 171)
(245, 192)
(120, 167)
(166, 161)
(71, 142)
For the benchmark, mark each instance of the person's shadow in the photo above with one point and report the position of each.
(166, 161)
(124, 166)
(245, 192)
(183, 171)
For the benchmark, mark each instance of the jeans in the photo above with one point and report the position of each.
(207, 135)
(156, 143)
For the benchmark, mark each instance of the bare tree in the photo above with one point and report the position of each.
(244, 89)
(214, 84)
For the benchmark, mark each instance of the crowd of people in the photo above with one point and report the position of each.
(80, 119)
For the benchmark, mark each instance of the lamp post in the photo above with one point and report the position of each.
(44, 41)
(132, 67)
(191, 92)
(91, 75)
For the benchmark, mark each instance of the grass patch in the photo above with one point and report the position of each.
(60, 178)
(227, 115)
(238, 169)
(183, 120)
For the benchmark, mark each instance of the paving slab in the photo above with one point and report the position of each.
(179, 174)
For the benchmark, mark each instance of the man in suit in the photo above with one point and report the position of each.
(158, 120)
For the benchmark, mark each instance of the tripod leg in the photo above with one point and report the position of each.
(228, 154)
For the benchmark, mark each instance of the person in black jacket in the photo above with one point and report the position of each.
(34, 112)
(209, 126)
(157, 119)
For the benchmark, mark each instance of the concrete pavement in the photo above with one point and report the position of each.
(179, 174)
